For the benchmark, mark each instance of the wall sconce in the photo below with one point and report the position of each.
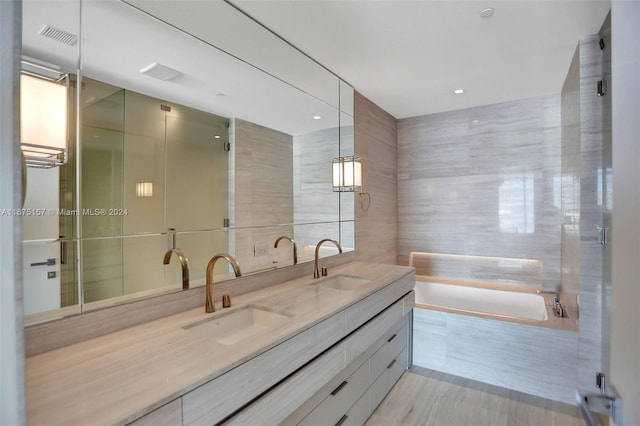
(144, 189)
(43, 116)
(347, 177)
(347, 174)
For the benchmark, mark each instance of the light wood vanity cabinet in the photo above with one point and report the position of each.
(359, 394)
(338, 401)
(327, 374)
(342, 385)
(221, 397)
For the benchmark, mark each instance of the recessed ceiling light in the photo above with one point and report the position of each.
(317, 117)
(216, 137)
(475, 121)
(486, 12)
(458, 91)
(159, 71)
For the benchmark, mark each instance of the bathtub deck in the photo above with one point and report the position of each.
(424, 301)
(427, 397)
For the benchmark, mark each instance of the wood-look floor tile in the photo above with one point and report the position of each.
(426, 397)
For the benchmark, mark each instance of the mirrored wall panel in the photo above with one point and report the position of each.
(184, 140)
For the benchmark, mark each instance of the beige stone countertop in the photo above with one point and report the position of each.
(123, 375)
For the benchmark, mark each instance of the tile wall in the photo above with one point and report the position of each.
(535, 360)
(458, 193)
(376, 231)
(267, 157)
(313, 197)
(483, 181)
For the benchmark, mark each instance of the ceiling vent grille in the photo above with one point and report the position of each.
(58, 35)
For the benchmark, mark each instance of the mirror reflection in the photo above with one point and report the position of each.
(180, 145)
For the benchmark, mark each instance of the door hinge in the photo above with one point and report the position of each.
(603, 235)
(602, 87)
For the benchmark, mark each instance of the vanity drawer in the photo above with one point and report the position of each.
(275, 406)
(337, 403)
(167, 415)
(387, 379)
(396, 341)
(357, 314)
(371, 332)
(215, 400)
(358, 413)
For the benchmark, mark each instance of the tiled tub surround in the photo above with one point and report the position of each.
(536, 360)
(122, 376)
(489, 287)
(451, 182)
(492, 345)
(494, 271)
(501, 304)
(483, 181)
(512, 304)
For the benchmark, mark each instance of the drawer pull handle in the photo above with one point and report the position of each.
(342, 420)
(339, 388)
(390, 339)
(391, 364)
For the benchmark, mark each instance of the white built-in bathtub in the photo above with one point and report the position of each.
(486, 302)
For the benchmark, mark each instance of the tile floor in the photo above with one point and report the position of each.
(427, 397)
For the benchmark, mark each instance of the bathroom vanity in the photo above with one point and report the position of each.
(306, 351)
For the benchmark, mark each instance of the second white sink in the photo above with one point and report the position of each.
(239, 325)
(343, 282)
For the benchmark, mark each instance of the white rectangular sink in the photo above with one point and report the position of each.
(343, 282)
(238, 325)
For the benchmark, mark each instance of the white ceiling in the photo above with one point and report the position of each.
(406, 56)
(119, 40)
(409, 56)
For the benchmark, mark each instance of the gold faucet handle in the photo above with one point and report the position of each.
(226, 300)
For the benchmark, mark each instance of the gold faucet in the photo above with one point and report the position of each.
(295, 247)
(316, 272)
(184, 262)
(209, 305)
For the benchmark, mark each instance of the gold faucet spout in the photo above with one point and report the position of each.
(184, 263)
(293, 243)
(316, 271)
(209, 305)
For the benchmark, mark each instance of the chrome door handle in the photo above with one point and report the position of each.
(48, 262)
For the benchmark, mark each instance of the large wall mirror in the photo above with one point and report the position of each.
(185, 123)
